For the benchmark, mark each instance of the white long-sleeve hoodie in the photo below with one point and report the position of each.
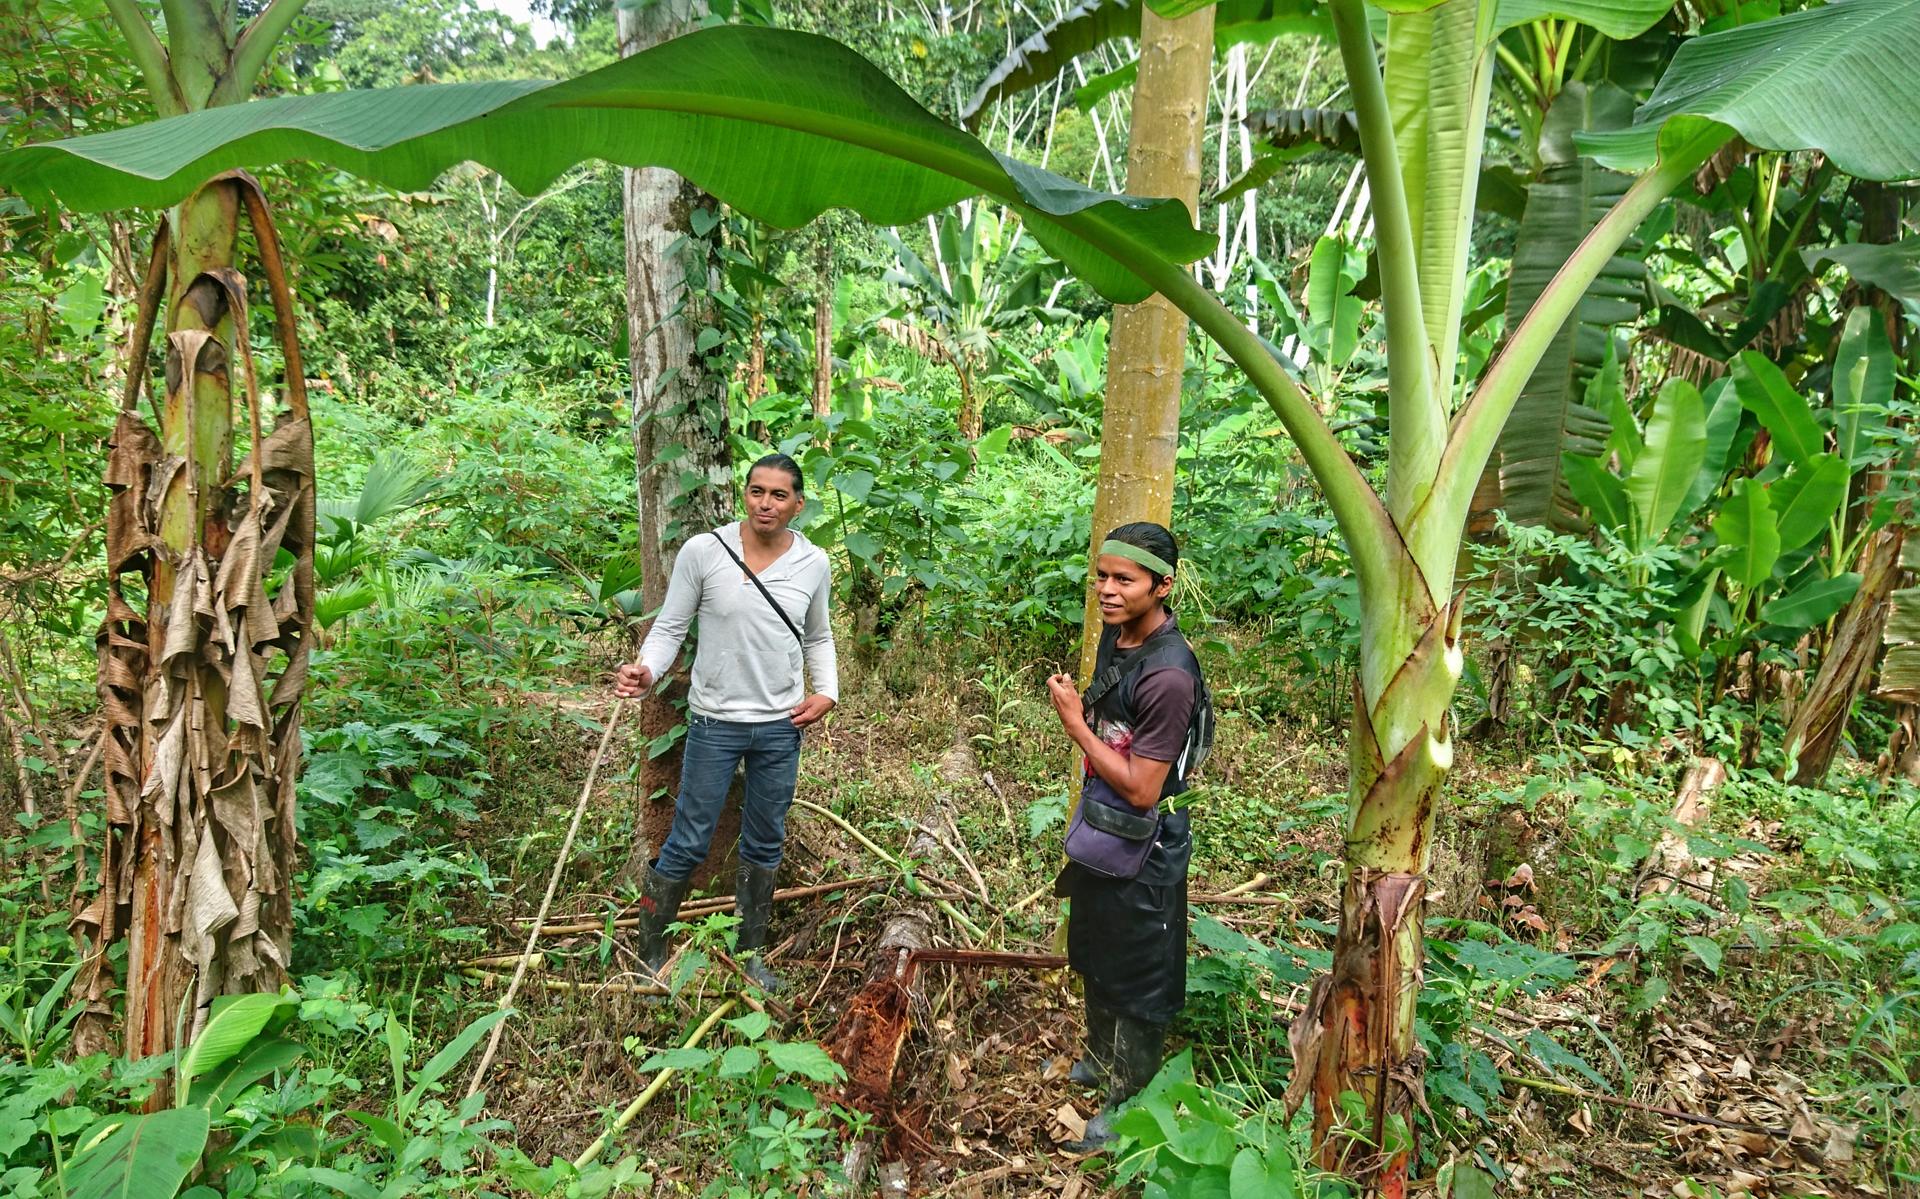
(748, 664)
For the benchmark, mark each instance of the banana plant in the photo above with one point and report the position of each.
(783, 124)
(1091, 24)
(1772, 558)
(984, 279)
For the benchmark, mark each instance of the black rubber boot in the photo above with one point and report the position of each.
(660, 898)
(1137, 1048)
(753, 900)
(1095, 1065)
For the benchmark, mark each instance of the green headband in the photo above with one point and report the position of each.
(1134, 553)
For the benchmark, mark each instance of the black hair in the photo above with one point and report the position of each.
(1153, 538)
(782, 462)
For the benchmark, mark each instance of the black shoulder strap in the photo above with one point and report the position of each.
(771, 602)
(1113, 676)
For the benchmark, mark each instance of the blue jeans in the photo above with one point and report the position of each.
(713, 748)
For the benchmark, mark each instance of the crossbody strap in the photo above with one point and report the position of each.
(773, 603)
(1113, 676)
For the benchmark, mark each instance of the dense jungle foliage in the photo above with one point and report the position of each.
(1656, 967)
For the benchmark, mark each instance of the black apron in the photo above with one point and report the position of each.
(1127, 938)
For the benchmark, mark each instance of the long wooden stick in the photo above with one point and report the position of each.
(653, 1088)
(553, 884)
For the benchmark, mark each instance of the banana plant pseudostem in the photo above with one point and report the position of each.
(201, 668)
(724, 105)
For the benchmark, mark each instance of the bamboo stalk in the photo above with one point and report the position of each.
(538, 962)
(561, 984)
(706, 907)
(653, 1088)
(1038, 892)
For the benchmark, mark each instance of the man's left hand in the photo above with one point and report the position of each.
(811, 709)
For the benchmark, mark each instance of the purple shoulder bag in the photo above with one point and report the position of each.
(1108, 835)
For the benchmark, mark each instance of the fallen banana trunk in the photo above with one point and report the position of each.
(873, 1030)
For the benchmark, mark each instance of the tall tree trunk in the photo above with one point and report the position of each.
(679, 403)
(1147, 353)
(202, 689)
(823, 323)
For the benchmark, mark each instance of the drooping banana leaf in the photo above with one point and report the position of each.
(1811, 603)
(1618, 19)
(1893, 268)
(1091, 24)
(1900, 668)
(1784, 412)
(721, 106)
(1837, 78)
(1324, 128)
(1286, 134)
(1551, 420)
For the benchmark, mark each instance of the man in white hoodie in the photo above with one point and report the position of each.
(759, 590)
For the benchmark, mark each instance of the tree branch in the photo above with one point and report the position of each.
(1479, 424)
(144, 48)
(255, 47)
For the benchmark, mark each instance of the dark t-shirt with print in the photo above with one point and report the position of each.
(1162, 708)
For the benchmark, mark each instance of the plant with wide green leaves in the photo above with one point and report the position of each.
(1770, 544)
(726, 106)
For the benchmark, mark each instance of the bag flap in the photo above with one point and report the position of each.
(1132, 826)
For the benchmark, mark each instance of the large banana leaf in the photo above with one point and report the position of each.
(1551, 420)
(145, 1156)
(1838, 78)
(1676, 446)
(1782, 411)
(1812, 603)
(1749, 538)
(780, 124)
(1618, 19)
(1091, 24)
(1805, 499)
(1893, 268)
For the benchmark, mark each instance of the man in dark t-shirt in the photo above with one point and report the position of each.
(1126, 936)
